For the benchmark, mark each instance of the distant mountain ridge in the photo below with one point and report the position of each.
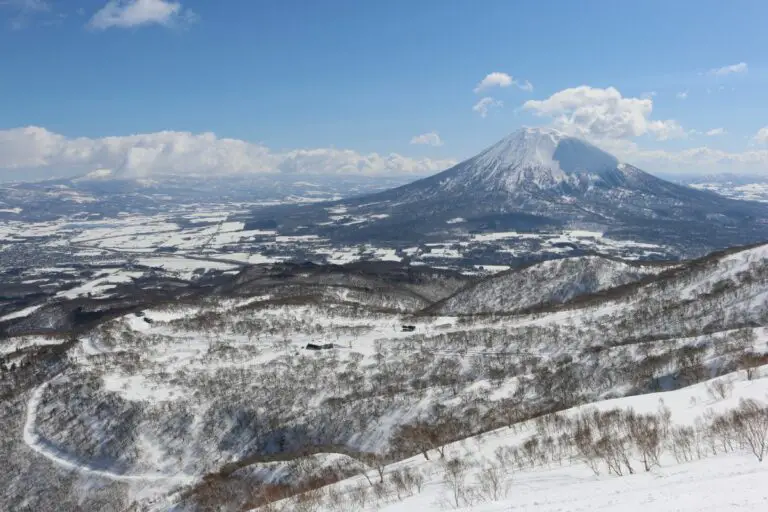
(536, 179)
(102, 193)
(549, 282)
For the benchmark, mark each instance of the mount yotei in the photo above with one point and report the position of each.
(535, 180)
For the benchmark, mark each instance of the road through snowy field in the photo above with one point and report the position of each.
(41, 446)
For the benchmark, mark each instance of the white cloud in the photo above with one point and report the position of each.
(596, 114)
(648, 94)
(184, 153)
(495, 79)
(340, 161)
(26, 5)
(696, 160)
(499, 79)
(665, 130)
(485, 104)
(526, 86)
(612, 121)
(24, 11)
(133, 13)
(741, 67)
(428, 139)
(761, 137)
(682, 95)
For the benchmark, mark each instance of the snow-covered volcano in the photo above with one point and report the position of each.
(538, 157)
(532, 162)
(534, 179)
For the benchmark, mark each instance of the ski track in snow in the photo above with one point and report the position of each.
(41, 446)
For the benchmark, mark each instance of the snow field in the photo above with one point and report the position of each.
(188, 391)
(711, 482)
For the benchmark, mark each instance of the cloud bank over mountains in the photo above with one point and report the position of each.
(615, 122)
(38, 152)
(622, 125)
(183, 153)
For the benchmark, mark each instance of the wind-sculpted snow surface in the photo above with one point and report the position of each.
(549, 282)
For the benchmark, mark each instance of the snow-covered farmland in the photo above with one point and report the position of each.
(209, 232)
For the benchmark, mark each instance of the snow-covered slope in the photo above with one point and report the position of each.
(730, 287)
(535, 158)
(529, 467)
(176, 393)
(549, 282)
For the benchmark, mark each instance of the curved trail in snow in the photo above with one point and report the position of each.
(43, 447)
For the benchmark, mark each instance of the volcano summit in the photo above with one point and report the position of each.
(536, 179)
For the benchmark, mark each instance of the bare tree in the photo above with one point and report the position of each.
(379, 464)
(414, 438)
(682, 440)
(309, 501)
(720, 430)
(751, 362)
(646, 434)
(455, 480)
(719, 389)
(614, 451)
(690, 361)
(414, 479)
(359, 495)
(397, 479)
(380, 491)
(492, 484)
(583, 440)
(750, 423)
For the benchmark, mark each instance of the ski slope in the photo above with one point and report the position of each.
(733, 481)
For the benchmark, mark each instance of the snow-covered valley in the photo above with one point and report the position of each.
(393, 256)
(303, 385)
(362, 353)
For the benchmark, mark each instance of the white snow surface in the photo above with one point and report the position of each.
(21, 313)
(714, 483)
(552, 281)
(102, 284)
(728, 267)
(138, 388)
(168, 353)
(532, 155)
(529, 147)
(183, 267)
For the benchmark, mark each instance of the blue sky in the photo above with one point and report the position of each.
(646, 80)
